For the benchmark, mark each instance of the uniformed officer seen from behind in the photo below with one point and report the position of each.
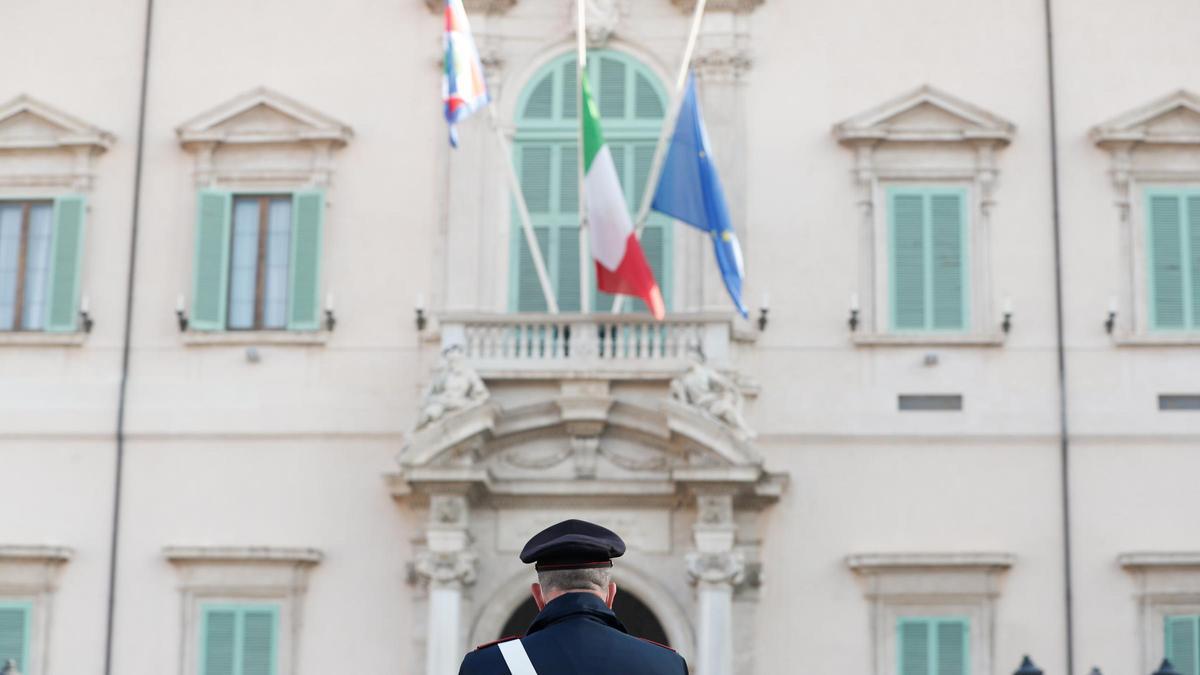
(575, 631)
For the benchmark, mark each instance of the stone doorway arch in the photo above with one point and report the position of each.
(681, 487)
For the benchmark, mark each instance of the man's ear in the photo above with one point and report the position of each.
(612, 594)
(540, 599)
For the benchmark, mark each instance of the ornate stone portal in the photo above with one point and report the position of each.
(657, 461)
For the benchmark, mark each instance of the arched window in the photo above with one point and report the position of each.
(632, 103)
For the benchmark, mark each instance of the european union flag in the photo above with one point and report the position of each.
(689, 190)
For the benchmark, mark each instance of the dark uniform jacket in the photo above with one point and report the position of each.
(576, 634)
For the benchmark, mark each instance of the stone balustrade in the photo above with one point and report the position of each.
(548, 345)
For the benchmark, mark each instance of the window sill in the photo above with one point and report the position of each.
(928, 340)
(37, 339)
(1157, 340)
(255, 338)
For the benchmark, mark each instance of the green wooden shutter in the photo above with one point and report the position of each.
(570, 81)
(210, 288)
(66, 261)
(908, 261)
(219, 644)
(568, 269)
(304, 274)
(14, 634)
(535, 177)
(646, 103)
(1182, 642)
(1166, 262)
(948, 284)
(1193, 268)
(568, 180)
(540, 104)
(258, 642)
(913, 647)
(611, 92)
(529, 296)
(951, 638)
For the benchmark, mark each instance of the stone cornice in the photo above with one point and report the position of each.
(61, 130)
(719, 5)
(869, 563)
(1160, 560)
(1136, 125)
(483, 6)
(43, 554)
(241, 554)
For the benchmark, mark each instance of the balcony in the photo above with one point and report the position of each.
(549, 346)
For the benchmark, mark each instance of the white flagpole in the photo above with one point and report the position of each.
(585, 259)
(514, 185)
(668, 128)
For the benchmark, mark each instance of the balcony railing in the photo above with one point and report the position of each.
(628, 346)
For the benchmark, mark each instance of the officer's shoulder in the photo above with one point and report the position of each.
(657, 644)
(493, 643)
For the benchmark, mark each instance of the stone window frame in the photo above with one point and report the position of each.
(239, 575)
(1147, 150)
(1166, 583)
(890, 153)
(962, 585)
(30, 574)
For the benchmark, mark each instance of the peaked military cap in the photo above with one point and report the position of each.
(572, 545)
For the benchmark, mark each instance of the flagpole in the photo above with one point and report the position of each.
(668, 128)
(585, 259)
(514, 185)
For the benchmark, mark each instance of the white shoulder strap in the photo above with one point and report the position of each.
(516, 659)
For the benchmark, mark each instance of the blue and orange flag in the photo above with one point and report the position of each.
(463, 88)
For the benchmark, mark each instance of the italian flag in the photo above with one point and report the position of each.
(621, 266)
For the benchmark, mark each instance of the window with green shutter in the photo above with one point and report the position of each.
(1173, 245)
(258, 260)
(1182, 637)
(632, 104)
(15, 622)
(41, 252)
(928, 267)
(933, 646)
(239, 639)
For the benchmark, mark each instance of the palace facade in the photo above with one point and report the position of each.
(280, 393)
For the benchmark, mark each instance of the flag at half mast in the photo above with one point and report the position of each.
(463, 88)
(621, 267)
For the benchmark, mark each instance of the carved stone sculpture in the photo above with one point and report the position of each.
(455, 386)
(707, 390)
(455, 567)
(727, 567)
(603, 17)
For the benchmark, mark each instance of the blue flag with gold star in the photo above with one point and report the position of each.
(689, 190)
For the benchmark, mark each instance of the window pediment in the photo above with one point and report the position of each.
(29, 124)
(41, 146)
(263, 139)
(263, 116)
(1171, 120)
(925, 115)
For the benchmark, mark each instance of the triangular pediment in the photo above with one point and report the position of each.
(1171, 120)
(925, 115)
(26, 123)
(263, 116)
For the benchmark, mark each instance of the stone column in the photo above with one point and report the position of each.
(715, 568)
(447, 565)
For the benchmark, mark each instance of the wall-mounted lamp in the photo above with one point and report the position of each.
(1111, 321)
(181, 313)
(85, 316)
(422, 320)
(1006, 323)
(330, 319)
(853, 322)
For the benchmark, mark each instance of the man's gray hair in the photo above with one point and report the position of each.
(590, 579)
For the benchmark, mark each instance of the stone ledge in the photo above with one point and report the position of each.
(719, 5)
(1157, 340)
(218, 554)
(1159, 560)
(41, 339)
(255, 338)
(921, 340)
(885, 562)
(485, 6)
(49, 554)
